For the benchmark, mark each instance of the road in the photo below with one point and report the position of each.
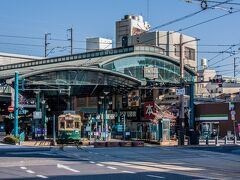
(145, 163)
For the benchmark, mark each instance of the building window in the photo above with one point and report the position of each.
(177, 50)
(189, 53)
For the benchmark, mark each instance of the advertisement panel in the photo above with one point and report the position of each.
(133, 98)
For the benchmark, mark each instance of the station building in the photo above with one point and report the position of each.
(118, 81)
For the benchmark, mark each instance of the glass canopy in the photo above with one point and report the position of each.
(167, 71)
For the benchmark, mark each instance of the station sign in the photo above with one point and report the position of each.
(149, 109)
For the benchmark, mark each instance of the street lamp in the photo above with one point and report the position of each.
(105, 102)
(44, 116)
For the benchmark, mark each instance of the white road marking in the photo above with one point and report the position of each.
(100, 165)
(159, 177)
(23, 167)
(110, 167)
(92, 162)
(21, 161)
(130, 172)
(41, 176)
(67, 168)
(30, 171)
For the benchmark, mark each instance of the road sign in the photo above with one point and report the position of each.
(10, 109)
(180, 91)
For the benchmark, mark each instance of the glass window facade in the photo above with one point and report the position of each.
(168, 71)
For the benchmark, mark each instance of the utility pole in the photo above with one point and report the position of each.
(181, 115)
(46, 44)
(71, 39)
(16, 104)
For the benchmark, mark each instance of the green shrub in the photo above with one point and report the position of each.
(10, 140)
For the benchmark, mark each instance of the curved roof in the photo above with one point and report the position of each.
(105, 71)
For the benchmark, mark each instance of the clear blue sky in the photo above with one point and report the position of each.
(91, 18)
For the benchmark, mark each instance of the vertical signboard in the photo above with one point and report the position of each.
(149, 109)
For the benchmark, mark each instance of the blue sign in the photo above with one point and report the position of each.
(120, 128)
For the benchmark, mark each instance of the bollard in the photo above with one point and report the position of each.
(207, 140)
(216, 141)
(225, 140)
(235, 140)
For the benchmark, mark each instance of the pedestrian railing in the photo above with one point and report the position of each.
(218, 141)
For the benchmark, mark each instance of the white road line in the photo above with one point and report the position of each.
(159, 177)
(30, 171)
(110, 167)
(100, 165)
(67, 168)
(41, 176)
(23, 167)
(92, 162)
(130, 172)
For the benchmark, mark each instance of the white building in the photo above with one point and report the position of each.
(129, 26)
(137, 33)
(211, 85)
(7, 58)
(169, 42)
(98, 43)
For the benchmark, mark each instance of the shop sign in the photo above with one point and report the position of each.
(231, 106)
(233, 113)
(149, 110)
(180, 91)
(37, 115)
(128, 114)
(110, 116)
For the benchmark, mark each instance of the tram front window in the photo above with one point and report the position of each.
(77, 125)
(62, 125)
(69, 124)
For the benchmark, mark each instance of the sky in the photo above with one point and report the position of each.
(96, 18)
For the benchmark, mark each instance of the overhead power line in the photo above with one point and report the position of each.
(186, 17)
(224, 59)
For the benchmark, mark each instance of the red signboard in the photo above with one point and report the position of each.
(10, 109)
(149, 109)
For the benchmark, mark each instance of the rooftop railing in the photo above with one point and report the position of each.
(74, 57)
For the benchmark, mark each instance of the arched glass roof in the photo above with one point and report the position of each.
(162, 69)
(87, 81)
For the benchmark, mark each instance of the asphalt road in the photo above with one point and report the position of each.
(149, 163)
